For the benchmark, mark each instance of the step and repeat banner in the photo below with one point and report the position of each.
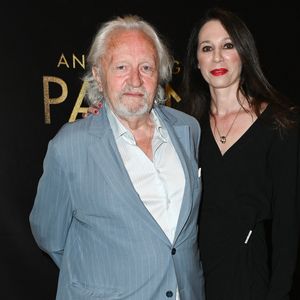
(43, 57)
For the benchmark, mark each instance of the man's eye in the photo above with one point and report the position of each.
(120, 67)
(147, 69)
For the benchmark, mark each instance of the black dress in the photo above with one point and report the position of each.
(249, 199)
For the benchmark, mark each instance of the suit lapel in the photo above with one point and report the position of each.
(115, 173)
(180, 136)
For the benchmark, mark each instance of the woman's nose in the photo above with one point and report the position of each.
(218, 56)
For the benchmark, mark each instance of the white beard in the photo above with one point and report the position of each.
(131, 108)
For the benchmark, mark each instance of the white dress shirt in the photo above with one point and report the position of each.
(160, 183)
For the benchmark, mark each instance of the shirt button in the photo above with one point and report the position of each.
(173, 251)
(169, 294)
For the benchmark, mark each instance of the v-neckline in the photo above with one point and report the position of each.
(239, 140)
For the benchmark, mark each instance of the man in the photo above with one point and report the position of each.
(117, 205)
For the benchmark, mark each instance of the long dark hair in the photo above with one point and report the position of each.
(253, 83)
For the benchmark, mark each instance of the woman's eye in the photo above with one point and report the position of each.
(206, 48)
(228, 46)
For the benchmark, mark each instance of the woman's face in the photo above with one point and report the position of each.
(218, 60)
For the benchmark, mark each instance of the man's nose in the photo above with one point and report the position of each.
(135, 78)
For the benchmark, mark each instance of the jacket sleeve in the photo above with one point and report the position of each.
(284, 165)
(51, 214)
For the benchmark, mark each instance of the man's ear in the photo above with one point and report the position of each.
(97, 77)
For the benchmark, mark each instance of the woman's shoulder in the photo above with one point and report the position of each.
(279, 117)
(282, 125)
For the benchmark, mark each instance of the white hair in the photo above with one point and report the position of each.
(98, 50)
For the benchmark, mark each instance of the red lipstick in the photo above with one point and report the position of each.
(219, 72)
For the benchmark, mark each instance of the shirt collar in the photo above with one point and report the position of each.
(117, 127)
(119, 130)
(160, 129)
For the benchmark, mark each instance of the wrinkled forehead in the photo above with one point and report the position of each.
(130, 38)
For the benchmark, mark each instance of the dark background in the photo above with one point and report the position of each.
(33, 37)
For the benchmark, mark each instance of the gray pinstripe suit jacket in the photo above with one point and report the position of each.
(88, 217)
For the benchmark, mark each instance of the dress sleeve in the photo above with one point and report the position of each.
(284, 169)
(51, 214)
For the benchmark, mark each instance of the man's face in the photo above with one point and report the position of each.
(129, 75)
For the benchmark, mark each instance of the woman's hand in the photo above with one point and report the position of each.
(93, 109)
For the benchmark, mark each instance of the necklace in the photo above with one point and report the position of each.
(223, 138)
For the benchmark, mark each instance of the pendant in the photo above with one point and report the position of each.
(223, 139)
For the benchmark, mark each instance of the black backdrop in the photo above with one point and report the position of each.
(50, 39)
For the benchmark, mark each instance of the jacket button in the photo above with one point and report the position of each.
(169, 294)
(173, 251)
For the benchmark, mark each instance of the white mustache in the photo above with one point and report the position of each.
(139, 90)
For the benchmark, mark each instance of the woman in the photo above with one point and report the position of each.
(248, 228)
